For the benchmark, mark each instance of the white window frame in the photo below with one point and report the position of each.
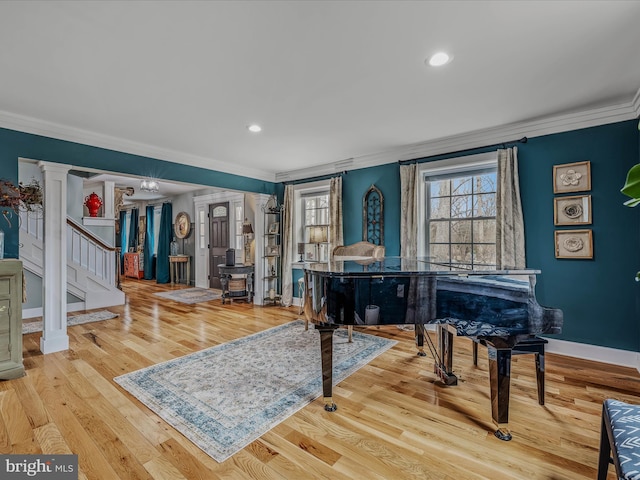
(448, 166)
(319, 187)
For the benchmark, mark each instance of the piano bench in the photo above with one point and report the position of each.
(619, 440)
(530, 345)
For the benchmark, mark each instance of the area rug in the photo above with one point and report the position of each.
(190, 295)
(226, 396)
(31, 327)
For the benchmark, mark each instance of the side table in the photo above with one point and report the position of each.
(174, 272)
(226, 273)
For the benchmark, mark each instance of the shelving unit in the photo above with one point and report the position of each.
(272, 258)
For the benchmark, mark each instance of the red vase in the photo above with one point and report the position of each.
(93, 202)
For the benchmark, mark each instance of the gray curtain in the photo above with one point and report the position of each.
(408, 211)
(287, 246)
(509, 219)
(335, 213)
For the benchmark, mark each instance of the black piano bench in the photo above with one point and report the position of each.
(529, 345)
(620, 440)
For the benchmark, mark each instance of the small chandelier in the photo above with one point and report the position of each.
(149, 186)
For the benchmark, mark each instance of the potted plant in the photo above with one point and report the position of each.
(632, 189)
(13, 198)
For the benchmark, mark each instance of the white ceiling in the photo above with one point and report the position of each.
(328, 81)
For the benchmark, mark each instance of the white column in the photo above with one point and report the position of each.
(54, 277)
(108, 206)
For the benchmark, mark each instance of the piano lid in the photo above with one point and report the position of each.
(399, 266)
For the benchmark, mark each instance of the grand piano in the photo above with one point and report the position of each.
(495, 308)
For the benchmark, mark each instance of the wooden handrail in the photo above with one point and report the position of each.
(76, 226)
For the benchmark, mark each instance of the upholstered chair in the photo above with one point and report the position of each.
(362, 251)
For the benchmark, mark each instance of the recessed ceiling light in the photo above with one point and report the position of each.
(439, 59)
(254, 128)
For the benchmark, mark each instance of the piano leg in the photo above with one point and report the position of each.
(500, 380)
(326, 349)
(419, 329)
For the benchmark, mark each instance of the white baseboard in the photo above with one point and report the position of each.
(37, 312)
(596, 353)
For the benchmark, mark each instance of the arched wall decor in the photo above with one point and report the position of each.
(373, 216)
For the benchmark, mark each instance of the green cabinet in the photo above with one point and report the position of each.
(11, 319)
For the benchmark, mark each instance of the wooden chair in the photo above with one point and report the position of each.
(620, 440)
(357, 251)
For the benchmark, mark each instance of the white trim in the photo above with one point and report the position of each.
(26, 124)
(476, 139)
(37, 311)
(619, 112)
(596, 353)
(442, 167)
(201, 204)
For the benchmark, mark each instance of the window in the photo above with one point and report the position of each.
(460, 214)
(315, 209)
(311, 221)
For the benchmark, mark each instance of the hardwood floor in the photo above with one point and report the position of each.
(394, 421)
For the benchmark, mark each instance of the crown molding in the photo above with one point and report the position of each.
(636, 103)
(35, 126)
(477, 139)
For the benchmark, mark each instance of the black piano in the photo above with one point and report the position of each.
(495, 308)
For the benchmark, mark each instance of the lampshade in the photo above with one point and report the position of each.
(318, 234)
(301, 248)
(247, 229)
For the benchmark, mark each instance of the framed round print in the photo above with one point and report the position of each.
(182, 225)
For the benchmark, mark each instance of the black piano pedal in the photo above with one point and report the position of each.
(503, 434)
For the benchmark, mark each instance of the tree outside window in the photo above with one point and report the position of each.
(461, 219)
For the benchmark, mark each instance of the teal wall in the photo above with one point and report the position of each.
(17, 144)
(599, 298)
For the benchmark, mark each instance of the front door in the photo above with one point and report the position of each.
(218, 240)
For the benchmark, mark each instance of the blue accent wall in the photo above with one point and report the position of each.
(599, 298)
(15, 144)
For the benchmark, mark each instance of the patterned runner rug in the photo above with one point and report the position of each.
(191, 295)
(31, 327)
(225, 397)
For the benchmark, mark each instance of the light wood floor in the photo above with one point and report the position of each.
(393, 420)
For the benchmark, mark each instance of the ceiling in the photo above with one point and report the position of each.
(327, 81)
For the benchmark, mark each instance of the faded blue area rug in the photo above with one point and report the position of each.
(31, 327)
(191, 295)
(225, 397)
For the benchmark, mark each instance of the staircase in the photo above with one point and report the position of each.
(92, 275)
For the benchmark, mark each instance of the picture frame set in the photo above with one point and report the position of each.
(272, 250)
(274, 228)
(572, 210)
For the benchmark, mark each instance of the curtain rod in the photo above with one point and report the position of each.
(457, 152)
(313, 179)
